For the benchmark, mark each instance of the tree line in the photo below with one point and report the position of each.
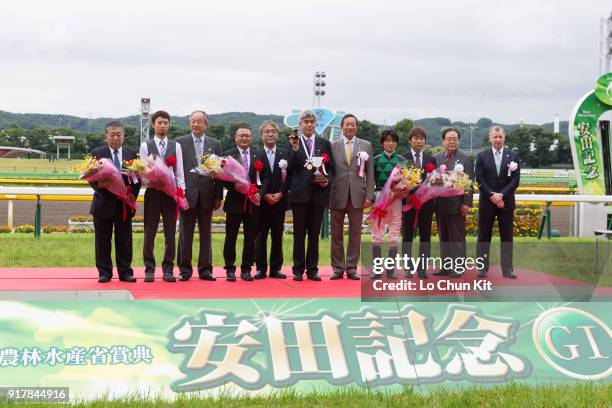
(537, 146)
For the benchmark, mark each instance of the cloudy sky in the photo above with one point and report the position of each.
(385, 60)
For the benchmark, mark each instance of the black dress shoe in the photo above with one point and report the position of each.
(509, 275)
(104, 279)
(260, 275)
(278, 275)
(453, 274)
(336, 275)
(246, 276)
(376, 276)
(441, 272)
(169, 278)
(316, 278)
(423, 275)
(352, 276)
(391, 275)
(183, 278)
(207, 277)
(298, 278)
(128, 279)
(231, 277)
(149, 277)
(482, 274)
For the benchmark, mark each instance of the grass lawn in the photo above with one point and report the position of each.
(510, 395)
(569, 257)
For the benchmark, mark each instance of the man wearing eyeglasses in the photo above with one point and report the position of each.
(273, 205)
(451, 212)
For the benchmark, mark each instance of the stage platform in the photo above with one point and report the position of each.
(81, 283)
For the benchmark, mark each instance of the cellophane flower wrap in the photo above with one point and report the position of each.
(401, 180)
(160, 176)
(441, 182)
(227, 169)
(104, 172)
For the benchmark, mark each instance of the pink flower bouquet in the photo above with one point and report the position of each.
(227, 169)
(104, 172)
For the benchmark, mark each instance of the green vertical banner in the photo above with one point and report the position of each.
(586, 147)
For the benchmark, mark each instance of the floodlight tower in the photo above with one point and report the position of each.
(318, 85)
(145, 105)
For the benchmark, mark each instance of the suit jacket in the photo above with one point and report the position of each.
(105, 204)
(234, 200)
(197, 185)
(275, 183)
(301, 191)
(490, 182)
(425, 159)
(346, 178)
(452, 205)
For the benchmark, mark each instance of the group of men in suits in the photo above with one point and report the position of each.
(291, 178)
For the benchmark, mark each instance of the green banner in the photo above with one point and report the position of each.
(165, 347)
(586, 147)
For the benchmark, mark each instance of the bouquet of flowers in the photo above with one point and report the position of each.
(400, 181)
(158, 174)
(104, 172)
(440, 182)
(230, 170)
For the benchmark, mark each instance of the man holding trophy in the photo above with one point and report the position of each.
(311, 165)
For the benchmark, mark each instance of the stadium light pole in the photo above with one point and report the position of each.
(318, 85)
(145, 105)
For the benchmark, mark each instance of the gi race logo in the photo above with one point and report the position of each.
(574, 342)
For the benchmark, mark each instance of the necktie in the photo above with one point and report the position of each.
(199, 149)
(417, 160)
(116, 161)
(162, 148)
(245, 160)
(448, 159)
(498, 160)
(308, 144)
(349, 151)
(271, 159)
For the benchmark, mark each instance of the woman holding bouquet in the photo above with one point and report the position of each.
(110, 211)
(391, 220)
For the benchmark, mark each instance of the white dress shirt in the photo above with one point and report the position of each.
(178, 170)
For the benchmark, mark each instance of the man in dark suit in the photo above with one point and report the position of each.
(239, 209)
(273, 205)
(417, 138)
(108, 211)
(203, 195)
(307, 196)
(451, 212)
(498, 175)
(158, 203)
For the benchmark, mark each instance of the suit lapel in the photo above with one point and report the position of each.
(505, 161)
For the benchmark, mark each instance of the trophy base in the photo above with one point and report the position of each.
(318, 179)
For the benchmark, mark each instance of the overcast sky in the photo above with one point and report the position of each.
(385, 60)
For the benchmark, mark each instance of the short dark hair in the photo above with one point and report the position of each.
(243, 126)
(388, 133)
(160, 114)
(349, 115)
(451, 129)
(112, 124)
(416, 131)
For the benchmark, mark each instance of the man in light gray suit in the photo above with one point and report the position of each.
(203, 195)
(352, 191)
(451, 212)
